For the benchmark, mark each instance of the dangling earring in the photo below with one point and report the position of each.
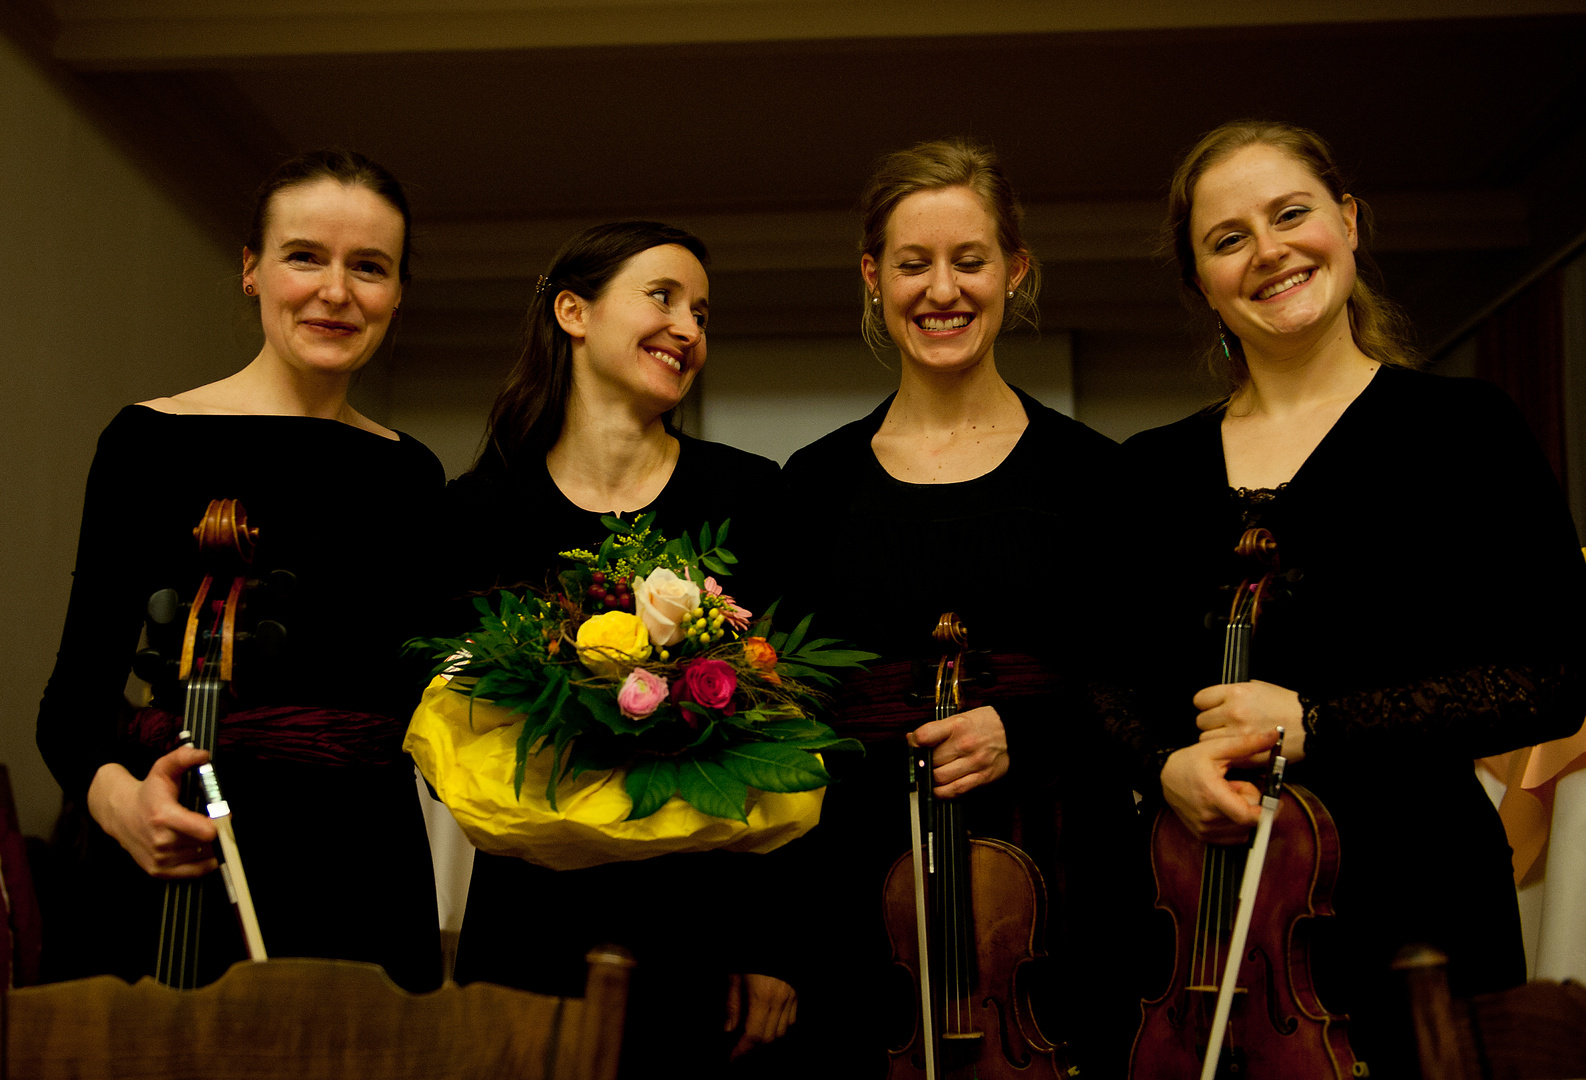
(1222, 338)
(248, 288)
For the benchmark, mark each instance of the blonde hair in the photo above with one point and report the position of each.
(1379, 326)
(931, 166)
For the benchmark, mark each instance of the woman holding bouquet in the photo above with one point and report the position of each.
(325, 263)
(1406, 501)
(580, 430)
(965, 495)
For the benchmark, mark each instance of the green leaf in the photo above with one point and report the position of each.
(645, 522)
(705, 540)
(721, 533)
(797, 635)
(525, 740)
(564, 735)
(711, 789)
(714, 566)
(650, 783)
(615, 524)
(726, 556)
(774, 767)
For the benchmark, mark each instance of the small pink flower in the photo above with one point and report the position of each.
(641, 693)
(737, 617)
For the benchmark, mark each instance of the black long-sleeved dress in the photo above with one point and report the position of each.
(690, 918)
(331, 834)
(1021, 556)
(1437, 620)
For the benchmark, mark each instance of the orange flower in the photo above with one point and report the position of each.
(757, 652)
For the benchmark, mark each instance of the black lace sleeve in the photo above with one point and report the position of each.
(1141, 746)
(1469, 714)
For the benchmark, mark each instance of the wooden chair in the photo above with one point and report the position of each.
(315, 1020)
(1532, 1032)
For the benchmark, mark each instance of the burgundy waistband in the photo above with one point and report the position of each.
(286, 733)
(887, 700)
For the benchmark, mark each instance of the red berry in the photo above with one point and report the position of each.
(598, 577)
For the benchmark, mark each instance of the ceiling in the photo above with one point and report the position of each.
(755, 122)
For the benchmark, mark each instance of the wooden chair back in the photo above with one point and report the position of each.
(315, 1020)
(1532, 1032)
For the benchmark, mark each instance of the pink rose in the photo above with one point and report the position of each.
(737, 617)
(641, 693)
(709, 683)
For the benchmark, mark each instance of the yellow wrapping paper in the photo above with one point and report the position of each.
(470, 768)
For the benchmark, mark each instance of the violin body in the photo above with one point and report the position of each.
(1278, 1027)
(1008, 909)
(965, 916)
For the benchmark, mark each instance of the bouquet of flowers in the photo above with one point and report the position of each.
(639, 662)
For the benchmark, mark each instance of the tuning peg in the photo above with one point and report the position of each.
(151, 666)
(164, 606)
(277, 584)
(268, 638)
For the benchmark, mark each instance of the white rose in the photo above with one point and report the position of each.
(662, 600)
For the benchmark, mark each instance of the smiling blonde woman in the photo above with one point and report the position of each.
(958, 493)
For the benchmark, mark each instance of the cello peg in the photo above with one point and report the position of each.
(151, 666)
(164, 606)
(268, 638)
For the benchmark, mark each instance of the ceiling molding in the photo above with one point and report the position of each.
(142, 34)
(1057, 232)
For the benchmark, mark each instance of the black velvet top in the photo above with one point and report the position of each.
(348, 512)
(1021, 555)
(343, 509)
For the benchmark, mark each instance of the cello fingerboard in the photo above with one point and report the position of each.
(181, 913)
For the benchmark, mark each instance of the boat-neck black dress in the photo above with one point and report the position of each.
(1438, 620)
(689, 918)
(1021, 555)
(335, 848)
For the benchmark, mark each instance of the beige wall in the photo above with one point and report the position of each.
(109, 294)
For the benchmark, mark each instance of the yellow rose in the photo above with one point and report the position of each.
(610, 637)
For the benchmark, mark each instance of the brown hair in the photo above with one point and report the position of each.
(930, 166)
(1379, 327)
(348, 167)
(527, 416)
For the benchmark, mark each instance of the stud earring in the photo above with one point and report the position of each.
(1010, 294)
(875, 299)
(248, 289)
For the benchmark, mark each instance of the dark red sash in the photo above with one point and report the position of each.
(875, 705)
(286, 733)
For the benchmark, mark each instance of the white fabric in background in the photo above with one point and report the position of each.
(1561, 931)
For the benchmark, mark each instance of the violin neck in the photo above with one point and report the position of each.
(1236, 651)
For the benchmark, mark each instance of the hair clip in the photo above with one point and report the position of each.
(539, 285)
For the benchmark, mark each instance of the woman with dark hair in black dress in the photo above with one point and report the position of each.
(339, 501)
(616, 337)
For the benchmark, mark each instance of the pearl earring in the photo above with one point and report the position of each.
(1010, 294)
(875, 299)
